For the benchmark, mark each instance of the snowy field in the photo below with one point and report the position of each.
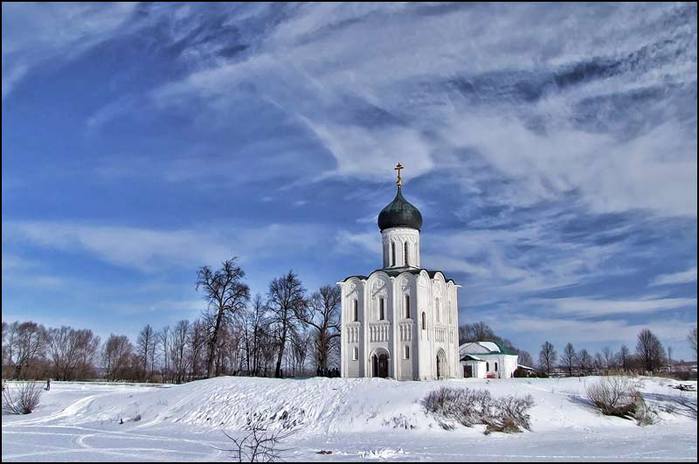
(355, 419)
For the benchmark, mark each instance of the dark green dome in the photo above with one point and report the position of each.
(400, 213)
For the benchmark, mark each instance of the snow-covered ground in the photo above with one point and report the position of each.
(355, 419)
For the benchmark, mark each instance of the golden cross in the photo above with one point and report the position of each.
(399, 181)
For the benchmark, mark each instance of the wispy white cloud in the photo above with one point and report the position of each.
(611, 175)
(150, 250)
(12, 262)
(174, 309)
(368, 152)
(593, 307)
(563, 330)
(36, 33)
(684, 277)
(367, 243)
(321, 73)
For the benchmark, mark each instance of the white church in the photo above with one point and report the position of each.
(400, 321)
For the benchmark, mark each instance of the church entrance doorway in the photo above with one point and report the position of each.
(441, 365)
(379, 363)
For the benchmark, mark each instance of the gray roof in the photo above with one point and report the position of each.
(395, 272)
(400, 213)
(484, 343)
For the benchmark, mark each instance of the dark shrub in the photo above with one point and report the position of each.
(617, 396)
(21, 398)
(471, 407)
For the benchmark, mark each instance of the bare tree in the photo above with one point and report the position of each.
(226, 295)
(569, 358)
(117, 355)
(524, 358)
(598, 362)
(300, 343)
(227, 359)
(478, 331)
(586, 361)
(285, 299)
(72, 352)
(8, 333)
(650, 351)
(254, 323)
(196, 344)
(163, 342)
(146, 349)
(608, 356)
(29, 348)
(178, 350)
(547, 357)
(623, 357)
(323, 314)
(692, 338)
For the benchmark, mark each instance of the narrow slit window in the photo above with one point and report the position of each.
(405, 251)
(407, 306)
(487, 366)
(381, 309)
(424, 321)
(406, 352)
(355, 353)
(496, 367)
(393, 253)
(355, 311)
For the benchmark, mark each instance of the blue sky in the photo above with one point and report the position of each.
(552, 150)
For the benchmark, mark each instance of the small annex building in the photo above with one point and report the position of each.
(487, 360)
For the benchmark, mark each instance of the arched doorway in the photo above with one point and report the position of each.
(379, 364)
(442, 369)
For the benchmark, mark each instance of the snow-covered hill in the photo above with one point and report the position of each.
(353, 418)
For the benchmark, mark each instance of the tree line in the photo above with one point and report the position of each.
(286, 332)
(649, 357)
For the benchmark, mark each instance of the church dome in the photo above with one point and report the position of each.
(400, 213)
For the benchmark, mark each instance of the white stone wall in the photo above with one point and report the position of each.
(507, 364)
(435, 297)
(477, 368)
(396, 241)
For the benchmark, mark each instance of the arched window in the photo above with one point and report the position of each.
(382, 310)
(487, 366)
(406, 352)
(407, 306)
(393, 253)
(424, 321)
(405, 253)
(496, 366)
(355, 310)
(355, 353)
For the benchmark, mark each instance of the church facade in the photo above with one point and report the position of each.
(400, 321)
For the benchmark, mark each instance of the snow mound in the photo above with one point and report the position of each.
(322, 405)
